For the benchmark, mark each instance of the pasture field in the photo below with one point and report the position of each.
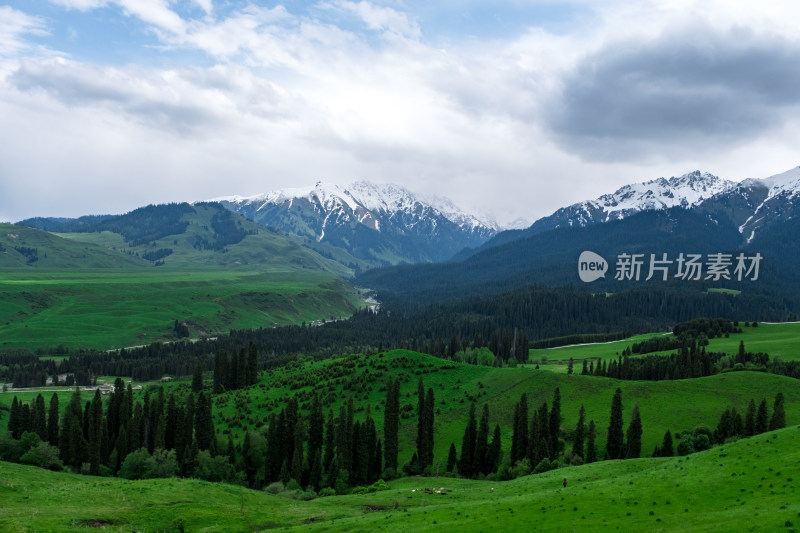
(749, 485)
(778, 340)
(677, 405)
(107, 308)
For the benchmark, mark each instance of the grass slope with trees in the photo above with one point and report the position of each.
(125, 280)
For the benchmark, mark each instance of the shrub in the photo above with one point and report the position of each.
(327, 491)
(275, 488)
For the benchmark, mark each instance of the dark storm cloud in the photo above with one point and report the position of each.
(699, 85)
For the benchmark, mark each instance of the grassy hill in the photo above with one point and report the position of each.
(778, 340)
(665, 405)
(220, 272)
(749, 485)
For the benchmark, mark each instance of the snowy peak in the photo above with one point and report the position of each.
(787, 183)
(684, 191)
(385, 222)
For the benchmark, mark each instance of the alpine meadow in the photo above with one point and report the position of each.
(402, 266)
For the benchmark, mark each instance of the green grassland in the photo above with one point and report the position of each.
(778, 340)
(677, 405)
(93, 290)
(110, 308)
(749, 485)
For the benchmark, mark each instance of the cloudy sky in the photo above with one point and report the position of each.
(516, 107)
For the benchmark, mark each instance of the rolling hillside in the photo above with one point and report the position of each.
(127, 281)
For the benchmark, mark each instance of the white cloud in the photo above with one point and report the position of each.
(14, 26)
(282, 98)
(393, 23)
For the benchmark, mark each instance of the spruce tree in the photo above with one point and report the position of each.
(615, 448)
(429, 431)
(421, 424)
(580, 435)
(778, 419)
(95, 433)
(220, 371)
(667, 449)
(39, 418)
(204, 423)
(482, 443)
(555, 424)
(14, 419)
(391, 423)
(762, 419)
(452, 457)
(197, 378)
(493, 453)
(591, 448)
(750, 419)
(316, 430)
(52, 421)
(252, 364)
(634, 435)
(467, 460)
(330, 444)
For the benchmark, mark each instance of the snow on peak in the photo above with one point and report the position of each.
(363, 197)
(684, 191)
(785, 183)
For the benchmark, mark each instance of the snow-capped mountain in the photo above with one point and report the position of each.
(384, 223)
(754, 205)
(685, 191)
(750, 205)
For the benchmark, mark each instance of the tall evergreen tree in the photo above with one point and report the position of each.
(591, 448)
(330, 443)
(667, 449)
(297, 462)
(778, 419)
(197, 378)
(452, 458)
(421, 424)
(15, 419)
(39, 418)
(762, 418)
(52, 420)
(493, 453)
(220, 371)
(391, 423)
(519, 436)
(615, 446)
(466, 462)
(555, 424)
(252, 364)
(95, 433)
(480, 465)
(750, 419)
(204, 423)
(634, 435)
(429, 431)
(316, 427)
(580, 434)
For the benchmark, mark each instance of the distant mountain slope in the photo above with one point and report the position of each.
(205, 235)
(685, 191)
(23, 247)
(384, 224)
(551, 257)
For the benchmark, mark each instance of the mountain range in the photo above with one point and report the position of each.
(695, 213)
(383, 224)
